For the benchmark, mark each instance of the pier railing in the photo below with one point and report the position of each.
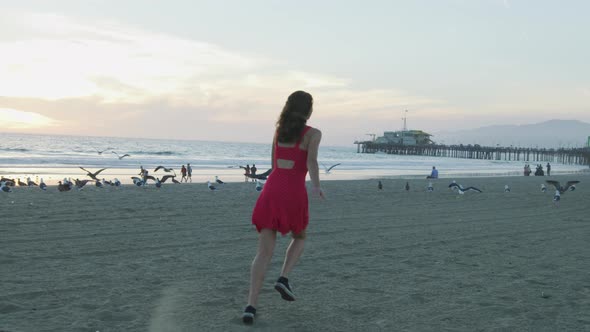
(579, 156)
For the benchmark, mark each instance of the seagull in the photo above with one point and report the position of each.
(559, 187)
(107, 183)
(163, 179)
(79, 183)
(64, 186)
(98, 184)
(543, 188)
(557, 197)
(99, 151)
(328, 169)
(211, 186)
(92, 175)
(572, 187)
(137, 181)
(121, 157)
(261, 176)
(22, 184)
(164, 169)
(430, 188)
(506, 189)
(380, 185)
(407, 186)
(116, 182)
(218, 181)
(30, 182)
(259, 185)
(42, 185)
(8, 182)
(463, 190)
(4, 187)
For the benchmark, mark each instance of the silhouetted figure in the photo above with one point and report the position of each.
(548, 169)
(407, 186)
(433, 174)
(183, 172)
(253, 170)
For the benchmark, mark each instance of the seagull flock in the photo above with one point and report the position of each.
(461, 190)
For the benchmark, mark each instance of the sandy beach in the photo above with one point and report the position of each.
(178, 259)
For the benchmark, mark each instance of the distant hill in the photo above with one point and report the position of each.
(549, 134)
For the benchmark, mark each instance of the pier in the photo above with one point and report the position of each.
(578, 156)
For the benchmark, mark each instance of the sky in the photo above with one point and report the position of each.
(222, 70)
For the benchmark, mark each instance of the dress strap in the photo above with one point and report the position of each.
(302, 134)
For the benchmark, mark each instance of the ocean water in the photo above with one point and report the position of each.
(54, 157)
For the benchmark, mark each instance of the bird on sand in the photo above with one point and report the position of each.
(430, 187)
(211, 186)
(572, 187)
(559, 187)
(543, 188)
(4, 187)
(22, 184)
(259, 185)
(462, 189)
(98, 184)
(42, 185)
(31, 183)
(80, 183)
(116, 182)
(92, 175)
(407, 186)
(380, 185)
(163, 179)
(8, 182)
(328, 169)
(119, 156)
(506, 189)
(218, 181)
(137, 181)
(66, 186)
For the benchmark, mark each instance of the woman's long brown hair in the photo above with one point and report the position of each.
(294, 116)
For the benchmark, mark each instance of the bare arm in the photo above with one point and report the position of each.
(312, 159)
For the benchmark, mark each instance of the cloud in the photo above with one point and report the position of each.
(15, 119)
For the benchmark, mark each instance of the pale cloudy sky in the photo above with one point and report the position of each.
(221, 70)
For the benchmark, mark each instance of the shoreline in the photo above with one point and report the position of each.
(52, 175)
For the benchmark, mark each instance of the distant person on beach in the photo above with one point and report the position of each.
(283, 204)
(189, 172)
(247, 172)
(183, 172)
(253, 170)
(144, 174)
(548, 169)
(433, 173)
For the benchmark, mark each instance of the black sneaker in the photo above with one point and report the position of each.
(248, 315)
(282, 286)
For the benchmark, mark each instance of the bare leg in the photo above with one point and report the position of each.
(266, 245)
(292, 255)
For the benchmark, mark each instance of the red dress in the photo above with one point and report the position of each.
(283, 204)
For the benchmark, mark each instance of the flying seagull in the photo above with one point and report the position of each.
(119, 156)
(163, 179)
(164, 169)
(559, 187)
(92, 175)
(328, 169)
(461, 189)
(262, 176)
(81, 183)
(137, 181)
(101, 151)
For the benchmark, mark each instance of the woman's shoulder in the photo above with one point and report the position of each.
(313, 131)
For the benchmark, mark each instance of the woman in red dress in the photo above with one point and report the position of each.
(283, 205)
